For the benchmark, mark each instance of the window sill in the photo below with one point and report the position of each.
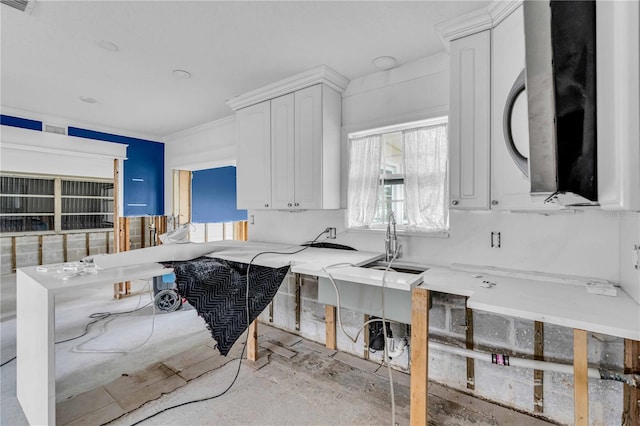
(401, 233)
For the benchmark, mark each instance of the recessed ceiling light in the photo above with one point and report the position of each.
(107, 45)
(182, 74)
(88, 99)
(384, 62)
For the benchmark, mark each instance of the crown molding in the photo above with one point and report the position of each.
(201, 128)
(322, 74)
(476, 21)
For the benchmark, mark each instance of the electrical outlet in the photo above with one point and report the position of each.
(332, 233)
(495, 240)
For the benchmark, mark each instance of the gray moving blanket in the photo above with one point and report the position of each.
(217, 290)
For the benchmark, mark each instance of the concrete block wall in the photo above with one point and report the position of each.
(27, 247)
(511, 336)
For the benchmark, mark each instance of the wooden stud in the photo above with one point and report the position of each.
(366, 337)
(330, 324)
(40, 249)
(538, 375)
(106, 241)
(14, 259)
(419, 357)
(64, 247)
(87, 244)
(580, 378)
(471, 375)
(184, 205)
(252, 341)
(116, 204)
(143, 232)
(631, 395)
(298, 284)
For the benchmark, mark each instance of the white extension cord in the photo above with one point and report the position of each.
(383, 319)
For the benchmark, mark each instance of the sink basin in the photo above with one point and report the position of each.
(406, 267)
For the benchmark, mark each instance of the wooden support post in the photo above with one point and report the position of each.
(631, 396)
(64, 247)
(87, 244)
(252, 341)
(40, 247)
(580, 378)
(14, 257)
(330, 324)
(106, 241)
(366, 337)
(538, 375)
(471, 373)
(143, 232)
(298, 284)
(419, 357)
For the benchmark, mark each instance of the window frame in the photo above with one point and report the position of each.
(58, 197)
(400, 127)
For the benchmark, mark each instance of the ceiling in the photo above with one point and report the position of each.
(52, 57)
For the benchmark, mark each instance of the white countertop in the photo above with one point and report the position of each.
(54, 283)
(567, 305)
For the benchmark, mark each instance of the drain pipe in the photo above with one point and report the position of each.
(505, 360)
(393, 350)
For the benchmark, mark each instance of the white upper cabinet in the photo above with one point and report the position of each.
(289, 145)
(469, 121)
(253, 177)
(282, 151)
(618, 104)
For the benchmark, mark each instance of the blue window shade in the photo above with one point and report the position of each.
(8, 120)
(213, 196)
(143, 172)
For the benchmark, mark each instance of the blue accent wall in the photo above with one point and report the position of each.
(143, 172)
(8, 120)
(213, 196)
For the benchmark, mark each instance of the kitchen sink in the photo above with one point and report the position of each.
(406, 267)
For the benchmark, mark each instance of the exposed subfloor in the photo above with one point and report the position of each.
(294, 382)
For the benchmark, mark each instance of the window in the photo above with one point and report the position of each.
(399, 169)
(54, 204)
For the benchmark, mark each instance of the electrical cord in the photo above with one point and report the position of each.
(383, 320)
(338, 303)
(7, 362)
(98, 316)
(244, 347)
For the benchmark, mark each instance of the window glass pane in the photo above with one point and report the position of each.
(86, 221)
(26, 185)
(26, 204)
(86, 205)
(26, 223)
(392, 162)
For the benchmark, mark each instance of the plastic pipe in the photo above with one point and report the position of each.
(506, 360)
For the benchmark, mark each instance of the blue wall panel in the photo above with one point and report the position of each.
(213, 196)
(8, 120)
(143, 172)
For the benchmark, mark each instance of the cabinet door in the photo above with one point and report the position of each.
(254, 156)
(469, 122)
(282, 152)
(308, 148)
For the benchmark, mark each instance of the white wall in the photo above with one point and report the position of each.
(203, 147)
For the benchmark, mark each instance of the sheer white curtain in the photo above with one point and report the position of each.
(364, 176)
(425, 180)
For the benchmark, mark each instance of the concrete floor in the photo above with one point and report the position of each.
(295, 382)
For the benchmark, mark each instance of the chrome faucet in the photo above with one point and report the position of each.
(391, 240)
